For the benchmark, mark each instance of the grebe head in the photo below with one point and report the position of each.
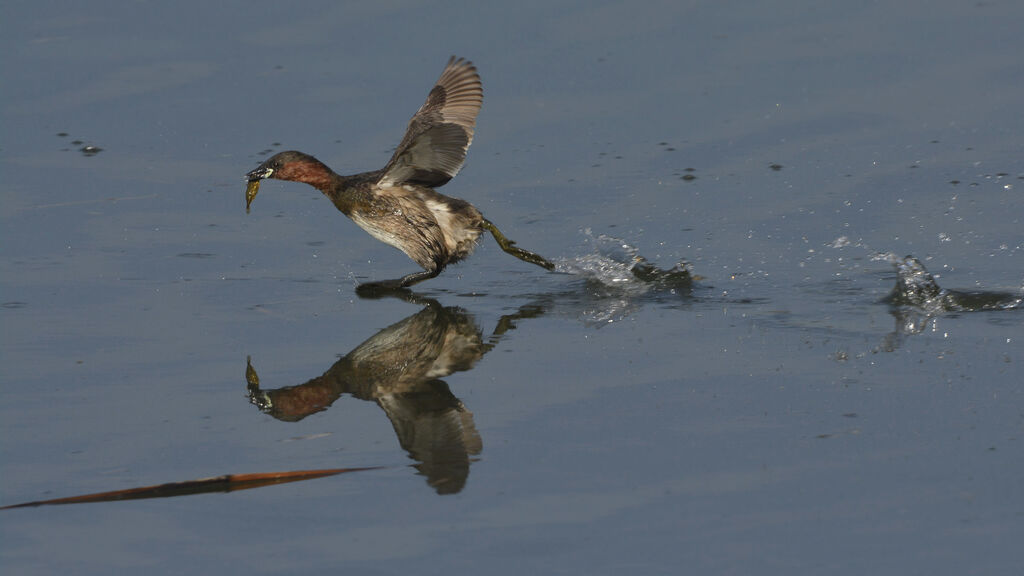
(290, 165)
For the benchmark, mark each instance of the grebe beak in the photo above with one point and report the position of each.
(259, 173)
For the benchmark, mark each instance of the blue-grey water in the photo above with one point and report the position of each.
(776, 417)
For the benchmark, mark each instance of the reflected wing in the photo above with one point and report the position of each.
(434, 147)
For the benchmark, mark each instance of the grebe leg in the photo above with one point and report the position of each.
(510, 247)
(417, 277)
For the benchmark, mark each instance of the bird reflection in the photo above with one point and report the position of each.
(400, 369)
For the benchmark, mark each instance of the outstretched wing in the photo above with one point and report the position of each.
(434, 147)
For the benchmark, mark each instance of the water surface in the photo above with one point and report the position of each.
(774, 416)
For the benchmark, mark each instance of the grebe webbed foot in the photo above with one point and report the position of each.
(510, 247)
(385, 287)
(378, 290)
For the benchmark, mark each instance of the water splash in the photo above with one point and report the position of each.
(619, 280)
(618, 266)
(916, 287)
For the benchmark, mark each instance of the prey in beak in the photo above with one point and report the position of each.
(253, 187)
(251, 190)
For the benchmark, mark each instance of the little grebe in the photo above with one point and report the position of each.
(398, 205)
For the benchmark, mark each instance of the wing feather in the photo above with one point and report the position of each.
(439, 134)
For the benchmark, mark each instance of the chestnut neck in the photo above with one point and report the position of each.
(314, 173)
